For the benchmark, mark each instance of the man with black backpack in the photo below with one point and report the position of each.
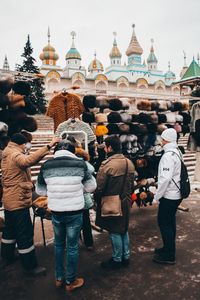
(173, 186)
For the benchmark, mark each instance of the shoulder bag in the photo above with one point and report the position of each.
(111, 205)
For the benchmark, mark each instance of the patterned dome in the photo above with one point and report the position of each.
(95, 65)
(134, 47)
(152, 58)
(115, 50)
(49, 52)
(73, 54)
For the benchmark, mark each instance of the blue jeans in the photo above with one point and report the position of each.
(120, 246)
(67, 232)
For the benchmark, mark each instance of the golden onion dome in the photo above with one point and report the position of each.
(115, 50)
(49, 53)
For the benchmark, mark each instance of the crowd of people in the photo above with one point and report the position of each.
(68, 180)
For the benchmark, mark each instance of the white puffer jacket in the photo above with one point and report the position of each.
(169, 168)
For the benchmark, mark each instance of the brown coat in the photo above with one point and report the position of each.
(16, 176)
(64, 106)
(109, 182)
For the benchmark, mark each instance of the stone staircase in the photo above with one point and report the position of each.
(45, 132)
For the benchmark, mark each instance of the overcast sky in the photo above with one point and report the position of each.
(173, 24)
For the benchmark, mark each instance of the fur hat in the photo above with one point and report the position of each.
(123, 138)
(135, 118)
(114, 117)
(80, 152)
(29, 124)
(6, 86)
(169, 135)
(134, 128)
(155, 105)
(89, 101)
(162, 105)
(141, 163)
(162, 118)
(178, 106)
(102, 102)
(132, 138)
(185, 104)
(101, 130)
(115, 104)
(27, 135)
(169, 105)
(179, 118)
(154, 118)
(88, 117)
(144, 118)
(171, 118)
(125, 103)
(101, 118)
(16, 101)
(126, 118)
(22, 88)
(19, 139)
(113, 129)
(124, 128)
(3, 127)
(144, 105)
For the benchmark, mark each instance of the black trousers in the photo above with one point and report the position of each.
(87, 229)
(167, 224)
(19, 229)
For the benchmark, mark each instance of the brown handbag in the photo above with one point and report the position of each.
(111, 205)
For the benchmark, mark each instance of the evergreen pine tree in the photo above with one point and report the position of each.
(37, 84)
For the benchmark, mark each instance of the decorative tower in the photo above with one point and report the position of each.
(115, 55)
(49, 55)
(169, 75)
(185, 67)
(134, 50)
(95, 67)
(6, 67)
(73, 57)
(152, 60)
(198, 59)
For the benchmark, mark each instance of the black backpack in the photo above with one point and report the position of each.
(184, 182)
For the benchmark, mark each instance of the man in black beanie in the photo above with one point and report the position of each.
(17, 199)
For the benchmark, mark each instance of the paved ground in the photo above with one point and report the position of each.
(142, 280)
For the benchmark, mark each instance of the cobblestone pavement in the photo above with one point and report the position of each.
(142, 280)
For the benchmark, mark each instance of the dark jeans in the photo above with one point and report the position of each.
(87, 229)
(18, 229)
(167, 224)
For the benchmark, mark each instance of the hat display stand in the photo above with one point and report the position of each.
(140, 133)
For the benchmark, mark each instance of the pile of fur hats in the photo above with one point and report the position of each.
(15, 105)
(162, 105)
